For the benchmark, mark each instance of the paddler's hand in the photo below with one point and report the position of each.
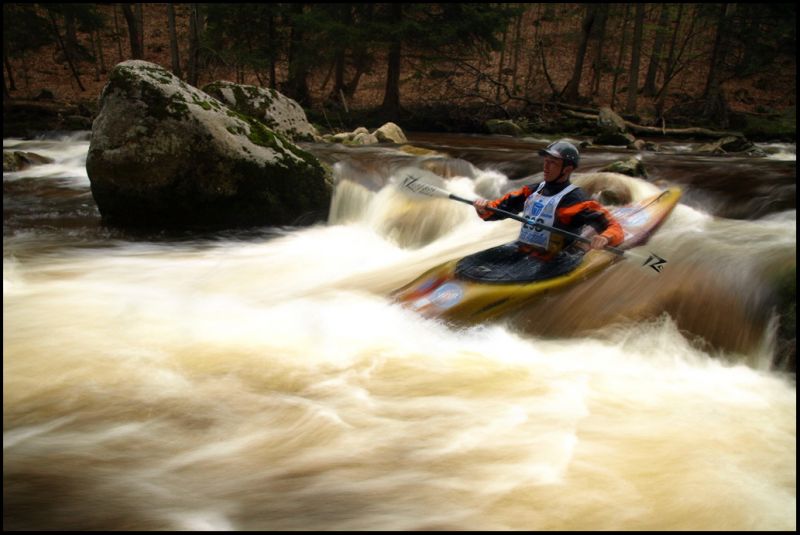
(480, 207)
(599, 241)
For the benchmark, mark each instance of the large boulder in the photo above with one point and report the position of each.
(163, 153)
(272, 108)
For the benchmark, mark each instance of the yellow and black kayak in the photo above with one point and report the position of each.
(492, 282)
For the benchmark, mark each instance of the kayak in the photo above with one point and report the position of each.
(495, 281)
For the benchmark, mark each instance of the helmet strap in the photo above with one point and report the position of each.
(561, 173)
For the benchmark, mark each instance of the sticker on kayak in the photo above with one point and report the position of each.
(631, 216)
(447, 295)
(428, 284)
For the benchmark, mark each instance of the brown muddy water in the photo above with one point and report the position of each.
(264, 379)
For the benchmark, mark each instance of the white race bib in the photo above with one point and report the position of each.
(541, 209)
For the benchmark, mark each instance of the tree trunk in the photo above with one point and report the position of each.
(133, 31)
(338, 78)
(622, 45)
(297, 83)
(633, 78)
(272, 39)
(517, 47)
(655, 58)
(602, 19)
(670, 66)
(391, 97)
(173, 41)
(99, 39)
(117, 36)
(546, 73)
(361, 61)
(194, 46)
(9, 74)
(345, 16)
(715, 105)
(92, 40)
(69, 59)
(571, 92)
(532, 63)
(140, 25)
(70, 37)
(500, 68)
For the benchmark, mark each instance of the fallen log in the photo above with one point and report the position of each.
(654, 130)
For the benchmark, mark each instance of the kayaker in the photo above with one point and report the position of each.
(555, 202)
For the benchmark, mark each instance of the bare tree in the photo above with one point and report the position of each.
(99, 38)
(618, 68)
(715, 102)
(597, 67)
(633, 77)
(655, 58)
(173, 41)
(502, 61)
(532, 62)
(517, 46)
(61, 45)
(12, 86)
(117, 35)
(71, 46)
(140, 24)
(94, 51)
(391, 97)
(133, 31)
(297, 83)
(194, 45)
(573, 86)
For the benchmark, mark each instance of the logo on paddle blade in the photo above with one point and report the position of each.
(411, 182)
(656, 262)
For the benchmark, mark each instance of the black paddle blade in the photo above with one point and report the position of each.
(654, 261)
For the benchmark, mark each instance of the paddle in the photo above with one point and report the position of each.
(413, 183)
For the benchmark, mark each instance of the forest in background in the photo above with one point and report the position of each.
(423, 64)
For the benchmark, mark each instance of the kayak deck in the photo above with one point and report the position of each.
(491, 282)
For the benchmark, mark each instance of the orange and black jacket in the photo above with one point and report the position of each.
(574, 211)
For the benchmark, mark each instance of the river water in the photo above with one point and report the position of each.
(263, 379)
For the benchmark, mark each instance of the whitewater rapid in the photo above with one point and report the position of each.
(271, 383)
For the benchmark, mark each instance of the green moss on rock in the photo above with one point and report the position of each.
(782, 126)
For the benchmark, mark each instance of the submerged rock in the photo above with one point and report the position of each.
(164, 153)
(618, 139)
(20, 160)
(631, 167)
(730, 144)
(504, 127)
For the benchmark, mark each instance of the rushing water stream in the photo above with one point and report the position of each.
(264, 379)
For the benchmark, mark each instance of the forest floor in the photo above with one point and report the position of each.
(45, 86)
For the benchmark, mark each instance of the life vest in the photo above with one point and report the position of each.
(542, 209)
